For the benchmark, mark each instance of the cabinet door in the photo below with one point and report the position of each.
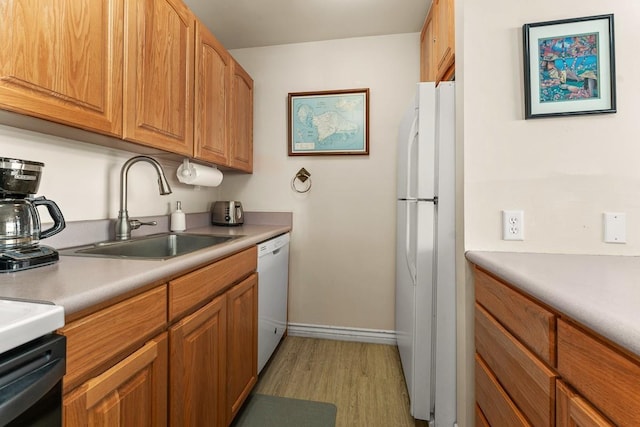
(445, 38)
(158, 82)
(62, 61)
(427, 50)
(242, 341)
(212, 94)
(131, 393)
(241, 120)
(601, 374)
(197, 369)
(573, 411)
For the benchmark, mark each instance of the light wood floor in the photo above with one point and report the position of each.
(363, 380)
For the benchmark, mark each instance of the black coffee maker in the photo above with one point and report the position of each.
(20, 230)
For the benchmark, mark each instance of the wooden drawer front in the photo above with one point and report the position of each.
(529, 322)
(97, 340)
(481, 420)
(573, 410)
(605, 377)
(494, 407)
(526, 379)
(196, 288)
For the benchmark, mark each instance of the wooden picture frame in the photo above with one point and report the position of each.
(569, 67)
(329, 122)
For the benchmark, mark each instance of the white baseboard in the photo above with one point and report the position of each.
(374, 336)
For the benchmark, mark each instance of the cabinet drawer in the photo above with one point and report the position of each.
(573, 410)
(529, 382)
(603, 375)
(198, 287)
(532, 324)
(481, 420)
(95, 341)
(494, 407)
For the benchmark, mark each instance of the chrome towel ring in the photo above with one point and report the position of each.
(304, 177)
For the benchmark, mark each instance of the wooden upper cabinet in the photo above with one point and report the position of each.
(445, 36)
(241, 137)
(437, 43)
(428, 69)
(62, 61)
(212, 95)
(158, 78)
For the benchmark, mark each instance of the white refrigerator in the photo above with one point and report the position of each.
(425, 254)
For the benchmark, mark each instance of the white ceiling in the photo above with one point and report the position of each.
(254, 23)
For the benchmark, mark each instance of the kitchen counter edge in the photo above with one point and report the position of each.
(598, 291)
(78, 283)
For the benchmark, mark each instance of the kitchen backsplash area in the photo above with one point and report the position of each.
(79, 233)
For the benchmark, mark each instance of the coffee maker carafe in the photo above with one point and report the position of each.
(20, 228)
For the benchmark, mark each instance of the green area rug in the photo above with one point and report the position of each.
(261, 410)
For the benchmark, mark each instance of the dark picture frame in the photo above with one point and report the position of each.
(331, 122)
(569, 67)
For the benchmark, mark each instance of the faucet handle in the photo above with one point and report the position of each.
(135, 224)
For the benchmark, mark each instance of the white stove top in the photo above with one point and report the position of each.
(22, 321)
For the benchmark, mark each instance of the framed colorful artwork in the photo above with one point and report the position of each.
(569, 67)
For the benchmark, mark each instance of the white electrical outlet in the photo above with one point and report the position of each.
(512, 225)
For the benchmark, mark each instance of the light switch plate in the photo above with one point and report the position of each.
(615, 227)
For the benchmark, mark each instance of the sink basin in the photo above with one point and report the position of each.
(155, 246)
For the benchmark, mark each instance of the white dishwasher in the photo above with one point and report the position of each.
(273, 285)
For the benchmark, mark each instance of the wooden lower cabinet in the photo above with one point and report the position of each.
(603, 375)
(131, 393)
(213, 362)
(181, 354)
(534, 366)
(242, 341)
(573, 411)
(494, 406)
(198, 367)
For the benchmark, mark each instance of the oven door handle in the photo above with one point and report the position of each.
(18, 396)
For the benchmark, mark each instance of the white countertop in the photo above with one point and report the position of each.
(77, 283)
(21, 322)
(602, 292)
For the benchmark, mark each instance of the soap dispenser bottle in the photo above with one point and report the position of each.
(178, 220)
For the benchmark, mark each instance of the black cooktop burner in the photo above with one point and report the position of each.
(23, 259)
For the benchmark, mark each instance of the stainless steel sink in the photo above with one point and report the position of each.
(155, 246)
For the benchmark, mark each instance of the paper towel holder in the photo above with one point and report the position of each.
(188, 170)
(303, 176)
(198, 175)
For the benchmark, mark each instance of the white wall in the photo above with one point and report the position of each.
(343, 241)
(84, 179)
(563, 172)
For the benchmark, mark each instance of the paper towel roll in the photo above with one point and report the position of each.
(193, 174)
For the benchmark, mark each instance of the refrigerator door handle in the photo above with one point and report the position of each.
(413, 137)
(411, 260)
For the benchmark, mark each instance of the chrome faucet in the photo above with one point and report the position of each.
(124, 225)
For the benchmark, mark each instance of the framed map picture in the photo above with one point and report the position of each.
(329, 122)
(569, 67)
